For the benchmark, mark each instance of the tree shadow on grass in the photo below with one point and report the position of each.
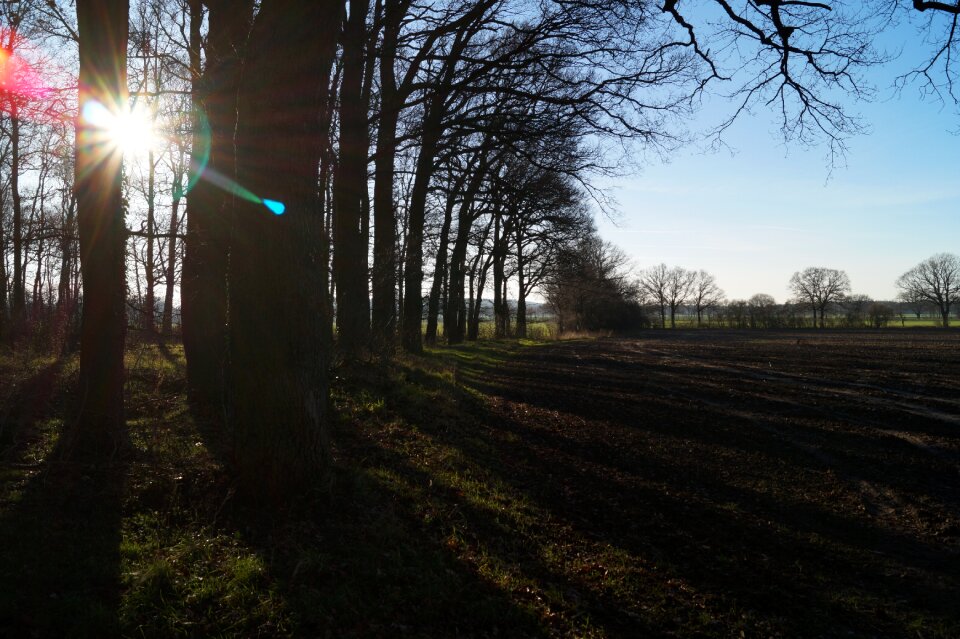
(59, 525)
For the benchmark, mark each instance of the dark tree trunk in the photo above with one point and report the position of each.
(203, 296)
(473, 329)
(454, 320)
(103, 29)
(149, 272)
(18, 303)
(3, 277)
(167, 323)
(440, 267)
(278, 364)
(349, 184)
(384, 323)
(413, 267)
(521, 294)
(64, 301)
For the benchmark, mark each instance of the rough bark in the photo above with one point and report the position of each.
(278, 365)
(349, 184)
(203, 296)
(103, 29)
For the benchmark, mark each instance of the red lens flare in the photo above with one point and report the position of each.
(31, 87)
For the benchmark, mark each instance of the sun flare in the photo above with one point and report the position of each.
(132, 131)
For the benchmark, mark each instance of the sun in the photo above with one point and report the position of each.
(131, 131)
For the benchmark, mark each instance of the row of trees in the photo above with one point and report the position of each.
(819, 294)
(423, 155)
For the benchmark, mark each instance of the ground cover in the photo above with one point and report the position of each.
(680, 483)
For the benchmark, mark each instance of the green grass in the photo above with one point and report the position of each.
(167, 551)
(428, 531)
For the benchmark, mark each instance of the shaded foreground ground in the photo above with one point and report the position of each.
(679, 484)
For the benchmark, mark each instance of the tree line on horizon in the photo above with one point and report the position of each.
(660, 295)
(423, 156)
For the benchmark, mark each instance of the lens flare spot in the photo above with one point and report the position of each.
(277, 208)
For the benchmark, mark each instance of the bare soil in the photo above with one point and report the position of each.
(771, 483)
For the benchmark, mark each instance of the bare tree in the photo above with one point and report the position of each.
(655, 282)
(856, 307)
(819, 287)
(760, 310)
(680, 284)
(936, 280)
(706, 294)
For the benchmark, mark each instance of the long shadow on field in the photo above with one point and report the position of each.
(796, 423)
(59, 526)
(750, 529)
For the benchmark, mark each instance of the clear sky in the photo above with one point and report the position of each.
(754, 217)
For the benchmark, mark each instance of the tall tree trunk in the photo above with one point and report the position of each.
(521, 293)
(103, 28)
(473, 329)
(384, 323)
(150, 275)
(412, 314)
(440, 268)
(3, 277)
(410, 329)
(18, 305)
(166, 325)
(498, 328)
(64, 301)
(349, 183)
(413, 258)
(203, 295)
(278, 366)
(454, 320)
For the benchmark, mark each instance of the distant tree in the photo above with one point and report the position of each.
(912, 301)
(856, 307)
(737, 313)
(880, 314)
(935, 280)
(588, 288)
(680, 285)
(706, 294)
(760, 310)
(655, 282)
(819, 287)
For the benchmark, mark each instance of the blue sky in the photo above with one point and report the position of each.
(756, 216)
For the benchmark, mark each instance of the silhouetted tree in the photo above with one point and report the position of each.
(349, 190)
(819, 287)
(278, 360)
(706, 294)
(935, 280)
(209, 206)
(103, 30)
